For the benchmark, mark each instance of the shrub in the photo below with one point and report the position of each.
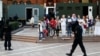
(14, 25)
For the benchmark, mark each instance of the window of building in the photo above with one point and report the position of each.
(60, 8)
(77, 8)
(69, 8)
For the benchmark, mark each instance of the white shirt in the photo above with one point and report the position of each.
(32, 20)
(41, 27)
(69, 20)
(63, 21)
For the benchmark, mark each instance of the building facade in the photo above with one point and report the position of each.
(46, 1)
(38, 8)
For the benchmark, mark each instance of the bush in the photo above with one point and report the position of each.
(22, 21)
(14, 25)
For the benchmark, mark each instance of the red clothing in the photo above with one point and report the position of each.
(53, 23)
(45, 31)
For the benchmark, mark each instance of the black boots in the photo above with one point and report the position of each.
(68, 54)
(9, 49)
(5, 48)
(84, 55)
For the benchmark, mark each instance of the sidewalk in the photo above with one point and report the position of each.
(33, 32)
(28, 32)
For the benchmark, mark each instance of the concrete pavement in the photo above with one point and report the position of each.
(48, 49)
(34, 32)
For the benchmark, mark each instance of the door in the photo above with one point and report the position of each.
(51, 12)
(85, 10)
(36, 15)
(28, 13)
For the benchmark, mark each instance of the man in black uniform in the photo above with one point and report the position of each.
(78, 39)
(1, 29)
(7, 43)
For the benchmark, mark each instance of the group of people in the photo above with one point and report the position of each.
(66, 25)
(73, 26)
(5, 34)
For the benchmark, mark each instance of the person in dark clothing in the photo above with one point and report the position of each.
(78, 40)
(7, 43)
(1, 29)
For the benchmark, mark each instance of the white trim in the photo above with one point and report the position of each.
(47, 7)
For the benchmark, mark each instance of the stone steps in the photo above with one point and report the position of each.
(54, 40)
(25, 38)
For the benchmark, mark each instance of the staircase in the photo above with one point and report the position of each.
(69, 39)
(25, 38)
(54, 40)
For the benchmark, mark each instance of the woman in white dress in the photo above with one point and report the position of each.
(97, 26)
(63, 25)
(32, 21)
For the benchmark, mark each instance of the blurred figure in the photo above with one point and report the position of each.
(32, 21)
(74, 19)
(97, 26)
(77, 40)
(41, 34)
(85, 24)
(91, 24)
(1, 29)
(46, 21)
(69, 26)
(53, 25)
(63, 25)
(8, 37)
(79, 17)
(57, 26)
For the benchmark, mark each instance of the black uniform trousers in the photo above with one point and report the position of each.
(1, 35)
(75, 43)
(7, 42)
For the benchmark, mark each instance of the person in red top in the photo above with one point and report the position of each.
(53, 23)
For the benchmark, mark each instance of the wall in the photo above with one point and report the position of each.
(20, 10)
(85, 1)
(68, 9)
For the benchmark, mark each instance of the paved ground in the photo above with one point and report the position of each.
(35, 33)
(45, 49)
(48, 49)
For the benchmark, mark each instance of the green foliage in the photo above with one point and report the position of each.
(14, 25)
